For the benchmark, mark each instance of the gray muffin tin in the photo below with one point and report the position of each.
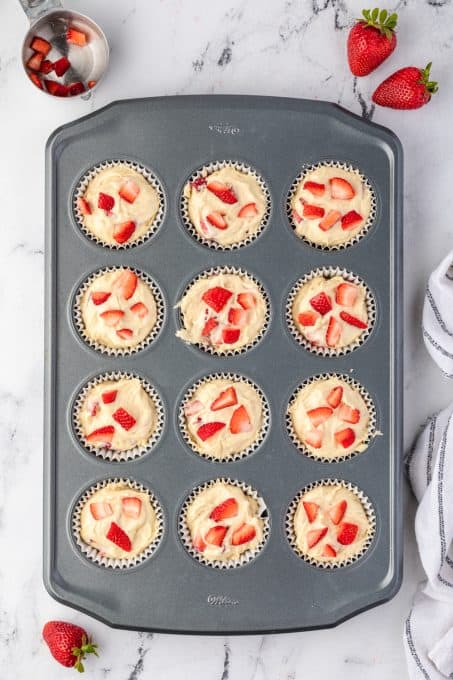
(277, 591)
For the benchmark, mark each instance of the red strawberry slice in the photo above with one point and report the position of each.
(315, 535)
(216, 535)
(76, 37)
(314, 439)
(311, 510)
(346, 294)
(61, 66)
(127, 283)
(125, 333)
(335, 397)
(92, 83)
(36, 80)
(208, 430)
(222, 191)
(237, 316)
(348, 414)
(209, 326)
(76, 88)
(313, 212)
(100, 510)
(139, 309)
(337, 512)
(225, 399)
(123, 231)
(199, 544)
(216, 297)
(329, 220)
(83, 206)
(99, 297)
(347, 532)
(248, 210)
(329, 551)
(131, 506)
(193, 407)
(93, 407)
(124, 418)
(333, 332)
(226, 509)
(41, 45)
(345, 437)
(103, 435)
(351, 220)
(129, 191)
(315, 188)
(308, 318)
(35, 61)
(341, 189)
(46, 66)
(105, 202)
(240, 421)
(230, 335)
(109, 397)
(353, 320)
(321, 303)
(199, 183)
(112, 317)
(246, 300)
(56, 89)
(319, 415)
(119, 537)
(244, 534)
(217, 220)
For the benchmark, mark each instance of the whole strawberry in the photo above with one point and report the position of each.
(371, 41)
(408, 88)
(68, 644)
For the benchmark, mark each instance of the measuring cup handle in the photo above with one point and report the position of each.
(36, 8)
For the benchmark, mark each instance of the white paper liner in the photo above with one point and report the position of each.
(150, 177)
(330, 272)
(233, 377)
(94, 554)
(246, 556)
(119, 351)
(371, 433)
(208, 169)
(112, 455)
(343, 166)
(227, 270)
(334, 564)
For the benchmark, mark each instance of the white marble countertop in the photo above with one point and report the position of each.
(285, 47)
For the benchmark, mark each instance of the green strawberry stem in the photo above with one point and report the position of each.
(87, 647)
(430, 85)
(380, 19)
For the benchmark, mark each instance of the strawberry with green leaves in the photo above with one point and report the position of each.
(408, 88)
(68, 644)
(371, 40)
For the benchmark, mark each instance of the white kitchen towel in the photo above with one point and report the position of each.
(428, 633)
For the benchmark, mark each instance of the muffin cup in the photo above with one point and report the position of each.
(324, 564)
(90, 175)
(261, 434)
(342, 166)
(330, 272)
(246, 556)
(93, 554)
(118, 351)
(366, 398)
(112, 455)
(227, 270)
(206, 170)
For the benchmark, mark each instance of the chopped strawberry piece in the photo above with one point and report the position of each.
(345, 437)
(124, 419)
(296, 216)
(314, 439)
(319, 415)
(249, 210)
(240, 421)
(333, 332)
(216, 297)
(92, 83)
(225, 399)
(341, 189)
(119, 537)
(103, 435)
(36, 80)
(93, 408)
(100, 510)
(129, 191)
(125, 333)
(347, 533)
(208, 430)
(237, 316)
(226, 509)
(222, 191)
(109, 397)
(353, 320)
(311, 510)
(199, 544)
(127, 283)
(61, 66)
(41, 45)
(199, 183)
(348, 414)
(337, 512)
(246, 300)
(244, 534)
(346, 294)
(351, 220)
(112, 316)
(335, 396)
(329, 220)
(313, 212)
(217, 220)
(230, 335)
(321, 303)
(35, 61)
(76, 88)
(329, 551)
(83, 206)
(193, 407)
(99, 297)
(131, 506)
(315, 535)
(140, 309)
(308, 318)
(216, 535)
(105, 202)
(209, 326)
(56, 89)
(315, 188)
(76, 37)
(46, 66)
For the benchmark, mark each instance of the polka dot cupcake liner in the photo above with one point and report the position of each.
(307, 169)
(109, 454)
(324, 564)
(371, 432)
(95, 555)
(81, 188)
(330, 272)
(246, 556)
(240, 455)
(214, 271)
(203, 172)
(118, 351)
